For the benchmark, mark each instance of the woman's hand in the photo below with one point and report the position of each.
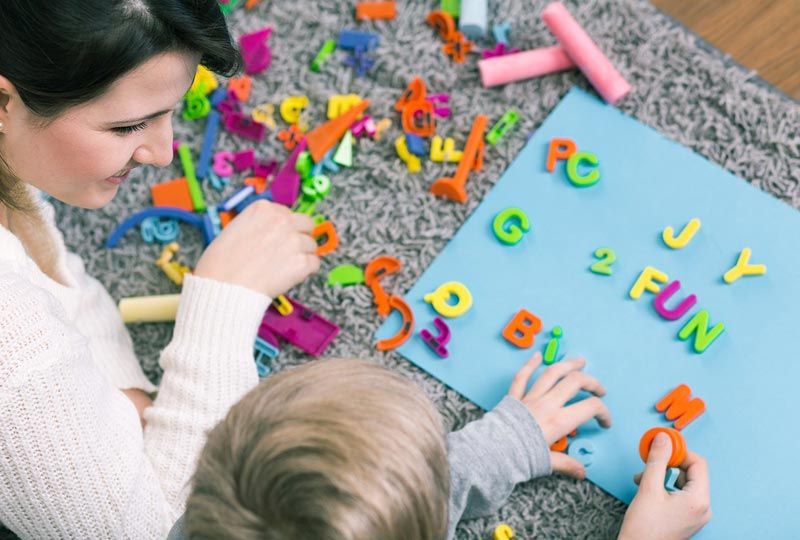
(547, 400)
(141, 400)
(655, 513)
(267, 248)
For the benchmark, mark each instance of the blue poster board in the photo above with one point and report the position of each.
(747, 377)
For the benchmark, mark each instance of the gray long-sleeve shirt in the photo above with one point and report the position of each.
(488, 457)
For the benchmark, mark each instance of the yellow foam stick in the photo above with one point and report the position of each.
(684, 237)
(503, 532)
(445, 151)
(142, 309)
(647, 281)
(412, 162)
(204, 81)
(744, 268)
(338, 105)
(292, 107)
(440, 299)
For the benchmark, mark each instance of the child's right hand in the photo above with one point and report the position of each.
(656, 514)
(547, 400)
(267, 248)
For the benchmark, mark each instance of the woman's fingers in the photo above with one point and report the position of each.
(564, 464)
(307, 244)
(575, 381)
(302, 223)
(552, 375)
(520, 382)
(576, 414)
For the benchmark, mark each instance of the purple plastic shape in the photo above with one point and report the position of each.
(501, 49)
(286, 186)
(242, 125)
(302, 328)
(244, 160)
(437, 343)
(256, 53)
(265, 168)
(678, 312)
(364, 125)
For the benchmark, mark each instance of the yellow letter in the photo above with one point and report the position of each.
(647, 281)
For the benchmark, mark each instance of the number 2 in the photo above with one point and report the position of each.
(607, 258)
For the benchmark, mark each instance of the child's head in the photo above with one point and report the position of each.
(334, 449)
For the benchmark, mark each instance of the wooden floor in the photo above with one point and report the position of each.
(763, 35)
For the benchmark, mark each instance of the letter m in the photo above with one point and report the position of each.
(679, 407)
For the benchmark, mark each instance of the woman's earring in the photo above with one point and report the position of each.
(2, 126)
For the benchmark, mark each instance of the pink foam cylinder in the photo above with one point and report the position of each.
(523, 65)
(585, 53)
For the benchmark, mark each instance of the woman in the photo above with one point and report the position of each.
(87, 90)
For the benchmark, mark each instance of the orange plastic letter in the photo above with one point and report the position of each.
(679, 407)
(415, 92)
(522, 329)
(559, 149)
(327, 231)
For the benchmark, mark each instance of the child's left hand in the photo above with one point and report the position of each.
(547, 400)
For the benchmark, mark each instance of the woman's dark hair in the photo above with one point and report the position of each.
(62, 53)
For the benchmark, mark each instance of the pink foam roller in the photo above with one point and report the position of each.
(584, 52)
(523, 65)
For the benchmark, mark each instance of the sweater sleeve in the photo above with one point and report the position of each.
(109, 341)
(488, 457)
(74, 462)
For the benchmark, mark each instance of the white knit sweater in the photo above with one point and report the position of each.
(74, 461)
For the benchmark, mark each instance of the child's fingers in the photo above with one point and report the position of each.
(576, 414)
(696, 475)
(656, 467)
(553, 374)
(523, 375)
(564, 464)
(680, 483)
(575, 381)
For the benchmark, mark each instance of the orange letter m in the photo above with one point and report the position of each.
(679, 407)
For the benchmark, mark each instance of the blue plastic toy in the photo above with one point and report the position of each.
(161, 212)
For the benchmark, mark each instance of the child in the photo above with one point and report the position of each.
(348, 450)
(87, 88)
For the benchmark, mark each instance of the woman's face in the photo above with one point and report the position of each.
(84, 156)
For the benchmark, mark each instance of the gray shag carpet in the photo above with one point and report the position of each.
(682, 87)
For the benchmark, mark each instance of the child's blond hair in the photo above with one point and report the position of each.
(331, 450)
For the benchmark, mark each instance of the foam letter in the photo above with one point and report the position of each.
(666, 294)
(522, 329)
(647, 281)
(699, 326)
(679, 407)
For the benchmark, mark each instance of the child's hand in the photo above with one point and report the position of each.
(267, 248)
(656, 514)
(547, 398)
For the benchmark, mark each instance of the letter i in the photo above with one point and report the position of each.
(551, 351)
